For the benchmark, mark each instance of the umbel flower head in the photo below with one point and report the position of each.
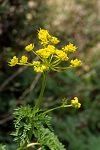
(49, 56)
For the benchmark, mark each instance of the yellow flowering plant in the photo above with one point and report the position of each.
(50, 58)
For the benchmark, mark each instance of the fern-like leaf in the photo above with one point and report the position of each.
(29, 124)
(48, 139)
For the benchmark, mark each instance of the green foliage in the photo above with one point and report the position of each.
(3, 147)
(48, 140)
(24, 125)
(33, 124)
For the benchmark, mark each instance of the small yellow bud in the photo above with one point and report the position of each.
(43, 36)
(29, 47)
(23, 60)
(75, 63)
(61, 55)
(38, 67)
(43, 53)
(54, 40)
(75, 103)
(69, 48)
(13, 61)
(36, 63)
(50, 49)
(41, 68)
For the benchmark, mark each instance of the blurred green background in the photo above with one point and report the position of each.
(76, 21)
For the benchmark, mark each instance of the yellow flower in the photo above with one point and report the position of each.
(69, 48)
(43, 53)
(50, 49)
(36, 63)
(41, 68)
(54, 40)
(29, 47)
(46, 52)
(75, 63)
(13, 61)
(38, 67)
(23, 60)
(43, 36)
(61, 55)
(75, 103)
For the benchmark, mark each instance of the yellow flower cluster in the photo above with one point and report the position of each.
(69, 48)
(38, 67)
(61, 55)
(50, 57)
(75, 63)
(54, 40)
(75, 103)
(45, 38)
(46, 52)
(14, 61)
(29, 47)
(23, 60)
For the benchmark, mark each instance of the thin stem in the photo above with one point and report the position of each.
(62, 106)
(32, 144)
(38, 103)
(27, 64)
(36, 54)
(51, 58)
(56, 61)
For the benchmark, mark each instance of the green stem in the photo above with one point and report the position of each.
(62, 106)
(32, 144)
(39, 101)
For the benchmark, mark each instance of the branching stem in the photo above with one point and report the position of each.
(52, 109)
